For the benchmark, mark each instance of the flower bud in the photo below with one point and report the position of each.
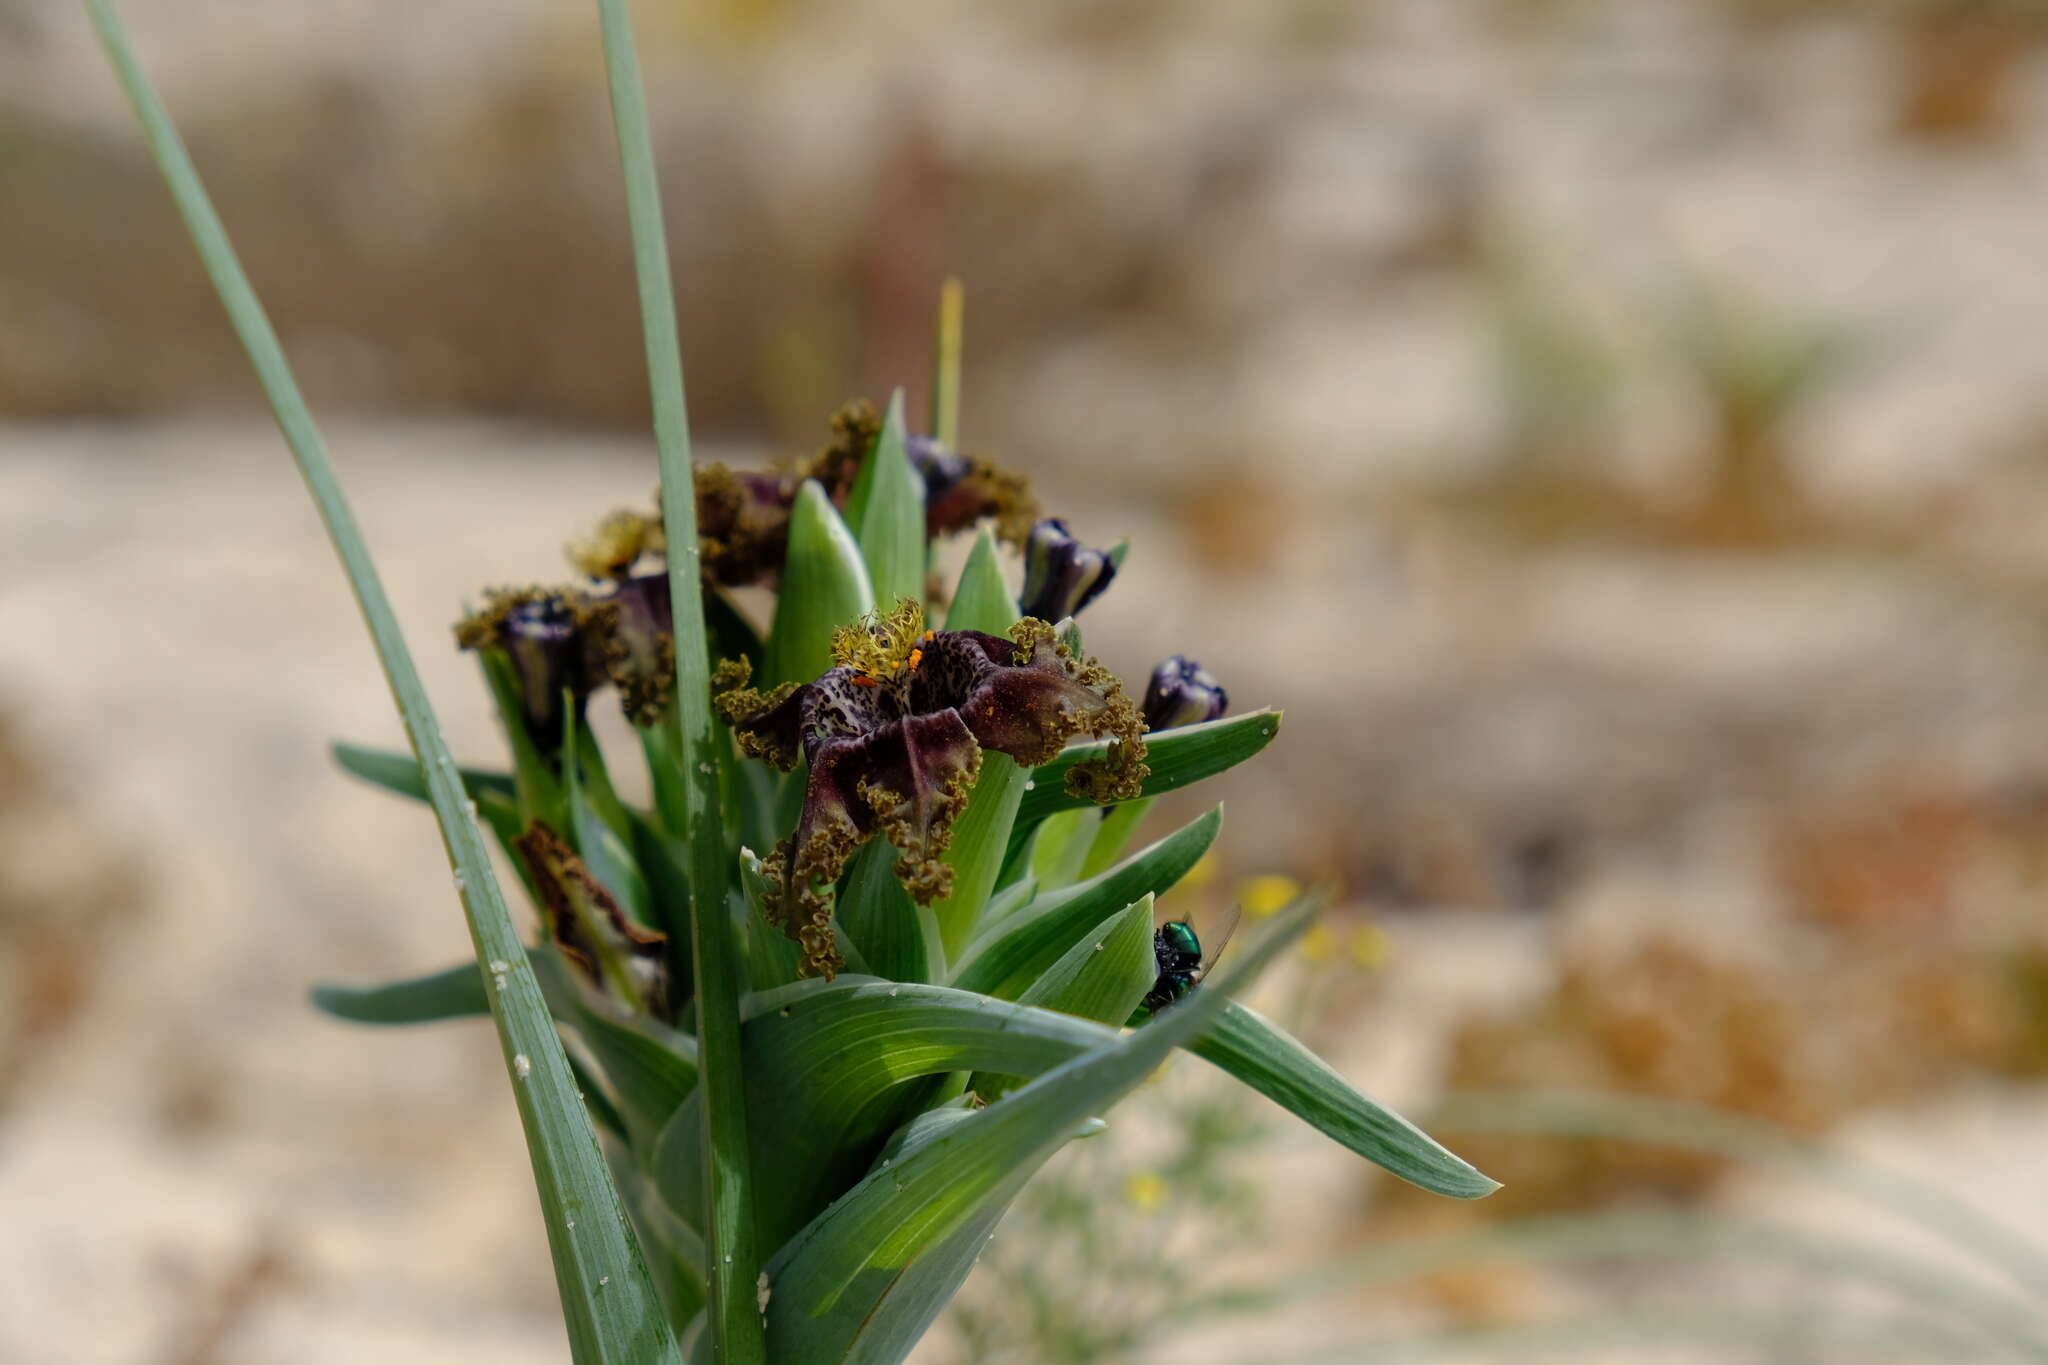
(547, 636)
(1061, 575)
(1182, 692)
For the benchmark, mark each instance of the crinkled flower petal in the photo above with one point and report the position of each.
(894, 737)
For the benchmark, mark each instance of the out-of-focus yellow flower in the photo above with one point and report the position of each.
(1146, 1190)
(1368, 947)
(1201, 874)
(1267, 895)
(1319, 945)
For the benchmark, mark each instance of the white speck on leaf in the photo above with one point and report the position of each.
(761, 1293)
(522, 1066)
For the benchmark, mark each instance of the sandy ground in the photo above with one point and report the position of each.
(202, 1169)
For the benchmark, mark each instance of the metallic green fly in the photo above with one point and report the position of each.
(1177, 950)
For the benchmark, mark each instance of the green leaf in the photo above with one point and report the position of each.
(650, 1068)
(982, 602)
(1177, 757)
(623, 1323)
(1064, 841)
(601, 849)
(772, 957)
(825, 585)
(661, 858)
(492, 792)
(731, 1252)
(836, 1283)
(1113, 834)
(886, 511)
(1018, 948)
(1262, 1055)
(400, 773)
(828, 1066)
(1104, 977)
(897, 937)
(456, 993)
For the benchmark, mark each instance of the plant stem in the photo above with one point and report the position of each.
(945, 405)
(732, 1255)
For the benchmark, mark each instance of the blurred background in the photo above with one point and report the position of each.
(1613, 430)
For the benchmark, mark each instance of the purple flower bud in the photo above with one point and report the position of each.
(1182, 692)
(541, 637)
(1061, 575)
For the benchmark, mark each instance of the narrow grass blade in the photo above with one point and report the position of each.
(886, 512)
(981, 601)
(945, 414)
(733, 1257)
(608, 1299)
(824, 586)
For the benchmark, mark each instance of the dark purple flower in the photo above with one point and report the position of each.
(637, 622)
(894, 736)
(1182, 692)
(1061, 575)
(960, 490)
(553, 643)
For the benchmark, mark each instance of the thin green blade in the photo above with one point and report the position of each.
(731, 1254)
(1262, 1055)
(608, 1299)
(400, 773)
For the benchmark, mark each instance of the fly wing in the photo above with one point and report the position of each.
(1219, 940)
